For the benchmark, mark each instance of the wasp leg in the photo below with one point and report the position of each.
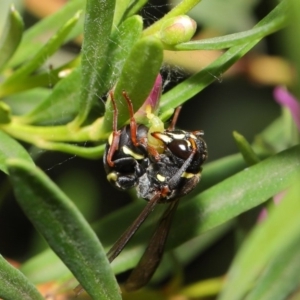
(133, 125)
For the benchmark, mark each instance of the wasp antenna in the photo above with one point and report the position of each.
(175, 118)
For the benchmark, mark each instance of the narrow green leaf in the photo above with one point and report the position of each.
(213, 207)
(135, 7)
(5, 113)
(280, 230)
(10, 148)
(97, 32)
(237, 39)
(24, 102)
(120, 46)
(66, 92)
(68, 89)
(218, 170)
(214, 172)
(63, 102)
(280, 134)
(47, 50)
(13, 33)
(196, 83)
(14, 285)
(289, 39)
(45, 267)
(137, 79)
(47, 79)
(64, 228)
(248, 153)
(190, 250)
(121, 7)
(280, 278)
(34, 38)
(218, 204)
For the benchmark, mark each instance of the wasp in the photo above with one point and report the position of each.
(161, 172)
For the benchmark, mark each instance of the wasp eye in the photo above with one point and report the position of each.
(180, 148)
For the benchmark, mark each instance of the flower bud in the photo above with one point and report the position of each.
(177, 30)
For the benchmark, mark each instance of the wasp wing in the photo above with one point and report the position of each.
(151, 258)
(130, 231)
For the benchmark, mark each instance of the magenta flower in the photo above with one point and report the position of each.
(284, 98)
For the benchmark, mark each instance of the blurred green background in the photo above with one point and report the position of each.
(240, 100)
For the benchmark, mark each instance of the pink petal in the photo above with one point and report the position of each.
(284, 98)
(153, 98)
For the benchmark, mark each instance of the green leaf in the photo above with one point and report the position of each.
(64, 95)
(120, 46)
(63, 102)
(47, 50)
(190, 250)
(236, 39)
(34, 38)
(214, 172)
(45, 267)
(10, 148)
(248, 153)
(46, 79)
(67, 91)
(14, 285)
(121, 7)
(24, 102)
(5, 113)
(289, 39)
(280, 230)
(137, 79)
(97, 32)
(13, 33)
(64, 228)
(280, 278)
(196, 83)
(215, 206)
(135, 7)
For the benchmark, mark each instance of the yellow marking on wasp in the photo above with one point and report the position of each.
(112, 177)
(160, 178)
(188, 175)
(193, 136)
(156, 125)
(165, 138)
(177, 136)
(128, 151)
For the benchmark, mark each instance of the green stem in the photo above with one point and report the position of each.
(82, 151)
(39, 134)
